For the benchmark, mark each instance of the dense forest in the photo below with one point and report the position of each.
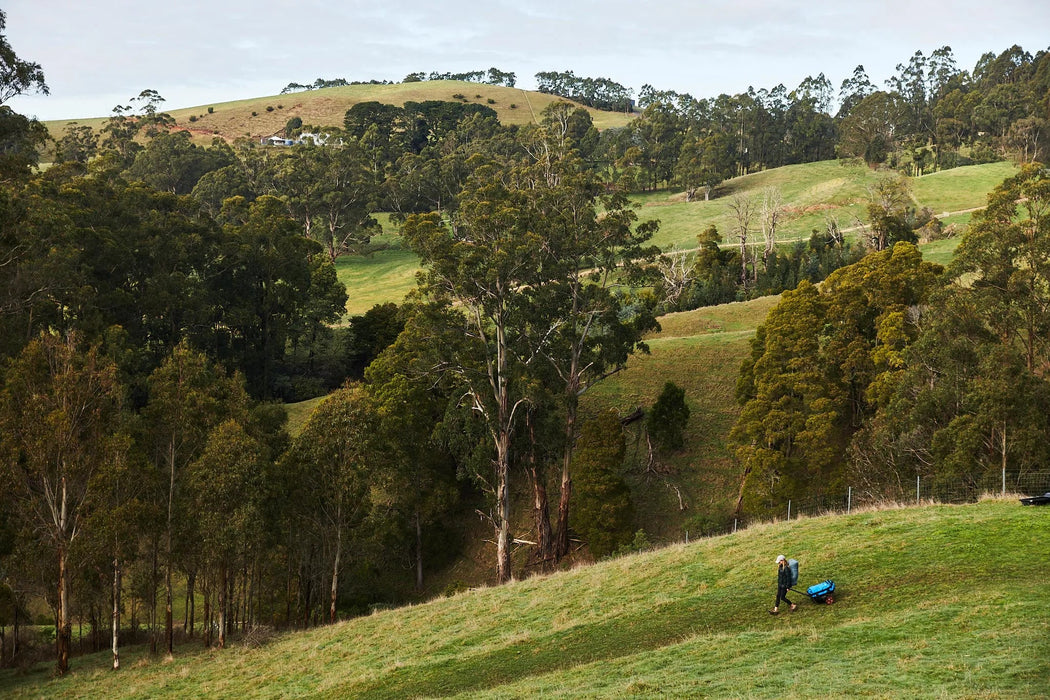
(159, 301)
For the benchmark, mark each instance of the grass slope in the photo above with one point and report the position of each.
(812, 192)
(701, 352)
(264, 116)
(938, 601)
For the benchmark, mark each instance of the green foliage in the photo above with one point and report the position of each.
(19, 76)
(640, 543)
(819, 367)
(602, 510)
(20, 140)
(667, 418)
(969, 397)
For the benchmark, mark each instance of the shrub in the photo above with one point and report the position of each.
(193, 117)
(640, 543)
(269, 108)
(668, 417)
(211, 110)
(255, 114)
(513, 106)
(459, 96)
(491, 101)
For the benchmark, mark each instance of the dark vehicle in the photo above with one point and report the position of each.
(1043, 500)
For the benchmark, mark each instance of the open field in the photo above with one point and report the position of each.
(934, 601)
(259, 117)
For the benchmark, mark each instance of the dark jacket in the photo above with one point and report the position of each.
(784, 576)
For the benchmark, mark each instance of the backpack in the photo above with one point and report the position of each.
(793, 566)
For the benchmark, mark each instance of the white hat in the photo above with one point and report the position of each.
(780, 558)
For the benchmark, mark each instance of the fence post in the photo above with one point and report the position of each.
(917, 489)
(734, 526)
(1004, 481)
(849, 498)
(789, 509)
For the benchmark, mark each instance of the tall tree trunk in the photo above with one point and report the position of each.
(500, 381)
(191, 604)
(64, 625)
(153, 604)
(503, 569)
(116, 613)
(561, 537)
(206, 589)
(337, 560)
(540, 505)
(419, 553)
(169, 627)
(224, 603)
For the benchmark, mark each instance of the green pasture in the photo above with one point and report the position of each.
(960, 189)
(812, 194)
(932, 601)
(383, 276)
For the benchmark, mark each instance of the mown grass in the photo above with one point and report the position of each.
(386, 275)
(941, 601)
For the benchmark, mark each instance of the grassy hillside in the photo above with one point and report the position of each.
(812, 192)
(938, 601)
(701, 352)
(326, 107)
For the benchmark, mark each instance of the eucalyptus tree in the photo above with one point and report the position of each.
(188, 398)
(483, 261)
(17, 76)
(582, 320)
(331, 465)
(227, 483)
(61, 424)
(274, 284)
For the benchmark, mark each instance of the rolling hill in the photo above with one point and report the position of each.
(935, 601)
(259, 117)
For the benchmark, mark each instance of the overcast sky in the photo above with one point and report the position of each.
(98, 54)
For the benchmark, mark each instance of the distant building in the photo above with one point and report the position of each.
(277, 141)
(305, 137)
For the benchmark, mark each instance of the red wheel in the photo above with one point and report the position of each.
(830, 600)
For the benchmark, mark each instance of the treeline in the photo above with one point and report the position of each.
(600, 93)
(931, 115)
(320, 83)
(895, 369)
(493, 76)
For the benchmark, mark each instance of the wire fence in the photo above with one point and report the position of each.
(930, 490)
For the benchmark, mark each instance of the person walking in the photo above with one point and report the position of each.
(783, 584)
